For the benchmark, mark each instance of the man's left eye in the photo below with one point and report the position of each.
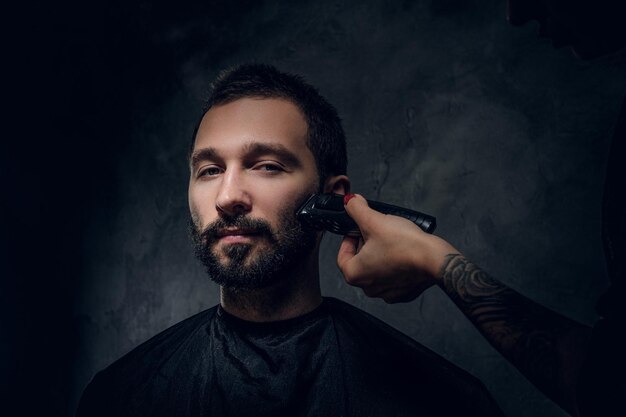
(270, 167)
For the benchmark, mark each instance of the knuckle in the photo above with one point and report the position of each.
(352, 279)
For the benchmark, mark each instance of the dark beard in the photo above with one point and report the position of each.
(243, 270)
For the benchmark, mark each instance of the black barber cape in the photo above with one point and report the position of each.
(334, 361)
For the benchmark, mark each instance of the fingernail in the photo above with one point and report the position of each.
(347, 198)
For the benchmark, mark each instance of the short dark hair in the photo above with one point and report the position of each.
(325, 136)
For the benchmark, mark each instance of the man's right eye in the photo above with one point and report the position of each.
(209, 171)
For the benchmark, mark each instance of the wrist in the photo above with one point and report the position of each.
(441, 251)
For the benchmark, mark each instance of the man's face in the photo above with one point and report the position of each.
(250, 170)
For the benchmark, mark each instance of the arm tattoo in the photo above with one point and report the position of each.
(545, 346)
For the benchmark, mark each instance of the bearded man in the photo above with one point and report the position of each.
(274, 346)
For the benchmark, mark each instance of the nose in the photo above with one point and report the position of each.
(233, 198)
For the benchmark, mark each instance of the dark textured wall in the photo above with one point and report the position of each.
(447, 109)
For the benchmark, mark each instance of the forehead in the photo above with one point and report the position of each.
(247, 120)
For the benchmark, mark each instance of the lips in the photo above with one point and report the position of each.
(240, 229)
(236, 232)
(236, 235)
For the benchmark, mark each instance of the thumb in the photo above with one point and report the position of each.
(357, 208)
(347, 251)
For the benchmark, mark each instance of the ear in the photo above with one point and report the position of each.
(338, 184)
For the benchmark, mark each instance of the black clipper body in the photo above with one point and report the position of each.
(326, 212)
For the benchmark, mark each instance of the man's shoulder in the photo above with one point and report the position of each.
(147, 364)
(372, 331)
(385, 353)
(160, 346)
(363, 321)
(375, 337)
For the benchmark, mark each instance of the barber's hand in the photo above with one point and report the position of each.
(394, 259)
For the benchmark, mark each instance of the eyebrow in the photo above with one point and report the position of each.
(261, 148)
(202, 155)
(251, 150)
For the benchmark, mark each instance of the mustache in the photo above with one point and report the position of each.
(213, 231)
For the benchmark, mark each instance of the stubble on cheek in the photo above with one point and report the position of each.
(195, 218)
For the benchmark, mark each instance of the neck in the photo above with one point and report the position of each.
(294, 295)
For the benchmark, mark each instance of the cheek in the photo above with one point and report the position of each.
(276, 198)
(280, 204)
(192, 205)
(195, 218)
(201, 207)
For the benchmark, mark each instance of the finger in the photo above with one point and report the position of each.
(394, 297)
(360, 245)
(372, 292)
(398, 295)
(347, 251)
(357, 208)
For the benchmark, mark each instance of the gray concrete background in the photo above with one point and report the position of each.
(447, 109)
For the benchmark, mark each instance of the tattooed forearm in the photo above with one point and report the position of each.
(545, 346)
